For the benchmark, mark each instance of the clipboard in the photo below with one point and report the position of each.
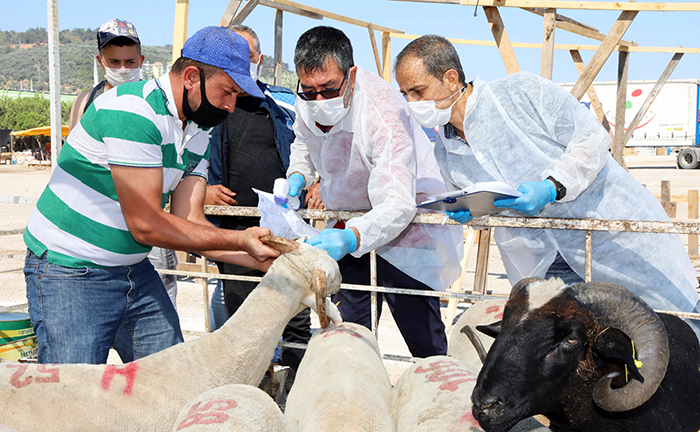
(477, 198)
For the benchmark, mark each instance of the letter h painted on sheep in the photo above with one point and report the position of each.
(129, 372)
(447, 371)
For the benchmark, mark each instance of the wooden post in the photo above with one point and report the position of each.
(604, 50)
(386, 56)
(180, 31)
(550, 16)
(278, 48)
(693, 214)
(482, 262)
(54, 82)
(502, 41)
(374, 49)
(205, 294)
(669, 206)
(650, 98)
(618, 147)
(592, 95)
(229, 13)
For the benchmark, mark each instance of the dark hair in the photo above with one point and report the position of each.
(183, 62)
(316, 45)
(121, 41)
(240, 28)
(437, 53)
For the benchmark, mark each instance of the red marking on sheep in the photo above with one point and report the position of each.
(494, 309)
(340, 330)
(210, 413)
(450, 372)
(21, 369)
(129, 372)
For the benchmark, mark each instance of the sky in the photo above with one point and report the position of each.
(154, 21)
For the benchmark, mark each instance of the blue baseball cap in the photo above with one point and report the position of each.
(222, 48)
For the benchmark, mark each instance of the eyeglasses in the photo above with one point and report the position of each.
(327, 94)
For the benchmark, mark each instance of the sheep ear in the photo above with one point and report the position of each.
(490, 330)
(613, 345)
(319, 286)
(280, 244)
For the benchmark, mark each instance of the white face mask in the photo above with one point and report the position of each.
(116, 76)
(427, 114)
(326, 112)
(254, 68)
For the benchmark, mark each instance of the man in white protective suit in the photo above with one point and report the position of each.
(354, 129)
(529, 132)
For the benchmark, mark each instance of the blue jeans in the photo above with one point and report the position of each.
(79, 313)
(560, 268)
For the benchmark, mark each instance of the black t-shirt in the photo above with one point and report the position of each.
(254, 161)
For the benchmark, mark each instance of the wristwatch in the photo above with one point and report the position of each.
(561, 190)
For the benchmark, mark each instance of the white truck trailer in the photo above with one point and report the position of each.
(672, 120)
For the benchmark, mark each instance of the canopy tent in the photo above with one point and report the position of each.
(44, 130)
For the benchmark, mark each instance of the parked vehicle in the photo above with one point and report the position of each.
(672, 120)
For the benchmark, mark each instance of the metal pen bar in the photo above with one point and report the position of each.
(589, 256)
(374, 310)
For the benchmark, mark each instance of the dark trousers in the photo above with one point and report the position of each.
(417, 317)
(296, 331)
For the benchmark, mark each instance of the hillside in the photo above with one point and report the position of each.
(24, 60)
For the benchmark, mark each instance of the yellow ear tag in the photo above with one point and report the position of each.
(636, 362)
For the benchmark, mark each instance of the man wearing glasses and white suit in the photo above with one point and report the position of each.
(354, 129)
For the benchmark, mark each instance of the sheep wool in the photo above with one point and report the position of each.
(147, 394)
(235, 407)
(480, 313)
(342, 384)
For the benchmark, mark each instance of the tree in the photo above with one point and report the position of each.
(28, 112)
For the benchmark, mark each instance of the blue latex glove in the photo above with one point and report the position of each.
(337, 242)
(535, 196)
(459, 216)
(296, 184)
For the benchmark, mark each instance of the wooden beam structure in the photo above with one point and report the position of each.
(245, 11)
(578, 28)
(580, 5)
(650, 98)
(592, 95)
(547, 66)
(601, 55)
(291, 9)
(373, 41)
(618, 147)
(502, 41)
(567, 47)
(336, 17)
(386, 56)
(182, 8)
(229, 13)
(278, 47)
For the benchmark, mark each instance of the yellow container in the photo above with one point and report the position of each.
(17, 338)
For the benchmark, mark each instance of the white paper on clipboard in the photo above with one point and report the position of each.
(477, 198)
(283, 222)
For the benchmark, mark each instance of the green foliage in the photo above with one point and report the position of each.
(28, 112)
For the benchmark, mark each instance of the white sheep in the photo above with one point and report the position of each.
(434, 395)
(235, 407)
(480, 313)
(341, 384)
(147, 394)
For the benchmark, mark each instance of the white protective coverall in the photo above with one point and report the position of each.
(379, 159)
(524, 128)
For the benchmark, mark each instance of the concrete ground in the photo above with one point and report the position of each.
(29, 182)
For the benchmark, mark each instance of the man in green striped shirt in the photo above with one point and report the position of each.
(89, 283)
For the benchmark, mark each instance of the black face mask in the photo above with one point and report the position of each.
(207, 115)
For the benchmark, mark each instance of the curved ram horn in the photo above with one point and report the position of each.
(319, 285)
(280, 244)
(474, 339)
(617, 307)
